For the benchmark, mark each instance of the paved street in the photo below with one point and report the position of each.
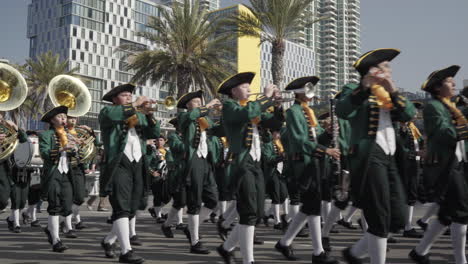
(31, 245)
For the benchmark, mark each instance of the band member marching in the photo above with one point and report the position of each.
(306, 141)
(241, 120)
(124, 134)
(200, 182)
(371, 107)
(447, 131)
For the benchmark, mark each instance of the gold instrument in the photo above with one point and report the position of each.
(72, 92)
(13, 92)
(169, 103)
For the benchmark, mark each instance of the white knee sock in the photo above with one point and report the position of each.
(458, 233)
(171, 217)
(180, 215)
(360, 249)
(434, 230)
(132, 226)
(276, 213)
(351, 212)
(68, 223)
(294, 227)
(53, 226)
(231, 207)
(377, 249)
(32, 212)
(409, 218)
(315, 234)
(294, 209)
(15, 217)
(222, 207)
(204, 213)
(157, 211)
(112, 236)
(431, 210)
(332, 217)
(193, 224)
(76, 213)
(230, 219)
(122, 232)
(326, 207)
(233, 239)
(246, 237)
(286, 208)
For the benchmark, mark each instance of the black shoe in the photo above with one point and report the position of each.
(303, 233)
(412, 233)
(152, 212)
(257, 241)
(348, 225)
(109, 221)
(213, 218)
(392, 240)
(199, 249)
(131, 257)
(70, 234)
(421, 224)
(11, 224)
(26, 218)
(48, 234)
(323, 258)
(35, 223)
(285, 222)
(59, 247)
(278, 226)
(80, 225)
(287, 251)
(135, 241)
(181, 226)
(420, 259)
(160, 220)
(227, 256)
(167, 231)
(349, 258)
(17, 229)
(222, 232)
(265, 220)
(109, 249)
(326, 244)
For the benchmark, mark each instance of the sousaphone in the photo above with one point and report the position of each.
(13, 92)
(71, 92)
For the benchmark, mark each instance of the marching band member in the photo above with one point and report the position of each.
(305, 145)
(200, 182)
(241, 120)
(447, 129)
(371, 106)
(124, 134)
(58, 153)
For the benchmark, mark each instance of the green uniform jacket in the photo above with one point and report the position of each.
(360, 108)
(178, 162)
(270, 158)
(114, 136)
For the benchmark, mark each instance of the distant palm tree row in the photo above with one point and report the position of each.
(193, 53)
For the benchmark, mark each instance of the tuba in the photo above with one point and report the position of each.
(13, 92)
(71, 92)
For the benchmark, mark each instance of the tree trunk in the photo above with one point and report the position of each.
(277, 63)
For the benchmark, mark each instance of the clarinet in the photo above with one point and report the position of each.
(341, 189)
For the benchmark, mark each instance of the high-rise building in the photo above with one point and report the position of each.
(299, 60)
(207, 5)
(87, 34)
(336, 40)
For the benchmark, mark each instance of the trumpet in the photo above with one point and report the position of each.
(169, 103)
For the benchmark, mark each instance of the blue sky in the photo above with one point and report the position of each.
(431, 34)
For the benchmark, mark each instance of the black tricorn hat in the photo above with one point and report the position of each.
(436, 77)
(128, 87)
(235, 80)
(184, 99)
(173, 121)
(373, 58)
(324, 116)
(31, 132)
(301, 82)
(53, 112)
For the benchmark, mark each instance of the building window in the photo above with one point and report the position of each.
(78, 44)
(90, 34)
(74, 31)
(82, 56)
(73, 55)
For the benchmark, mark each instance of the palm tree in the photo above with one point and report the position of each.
(273, 21)
(191, 55)
(39, 72)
